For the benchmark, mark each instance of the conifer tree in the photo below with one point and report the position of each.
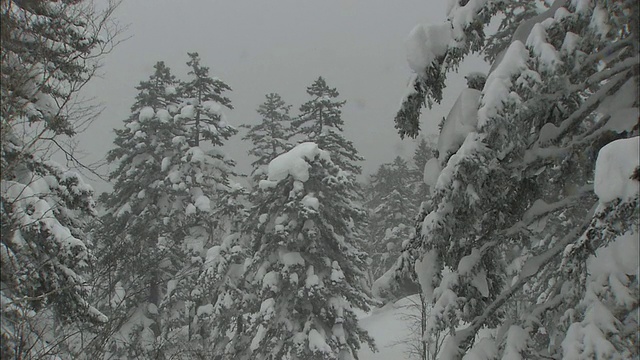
(514, 216)
(168, 204)
(270, 137)
(422, 154)
(206, 96)
(393, 207)
(50, 50)
(320, 121)
(135, 234)
(306, 276)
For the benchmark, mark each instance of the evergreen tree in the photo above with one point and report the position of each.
(393, 207)
(205, 94)
(422, 154)
(49, 52)
(270, 137)
(135, 234)
(320, 121)
(513, 217)
(169, 198)
(306, 276)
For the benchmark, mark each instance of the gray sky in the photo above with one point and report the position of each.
(281, 46)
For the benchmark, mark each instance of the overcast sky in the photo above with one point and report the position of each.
(259, 46)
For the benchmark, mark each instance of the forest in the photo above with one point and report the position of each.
(512, 234)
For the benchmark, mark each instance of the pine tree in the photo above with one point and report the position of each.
(205, 94)
(393, 207)
(50, 50)
(306, 276)
(320, 121)
(513, 215)
(270, 137)
(135, 234)
(169, 202)
(422, 154)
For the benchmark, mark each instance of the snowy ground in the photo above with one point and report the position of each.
(387, 327)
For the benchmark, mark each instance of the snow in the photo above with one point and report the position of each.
(547, 54)
(496, 89)
(213, 107)
(263, 218)
(289, 259)
(619, 256)
(621, 107)
(317, 342)
(581, 6)
(431, 172)
(205, 310)
(163, 115)
(336, 273)
(188, 112)
(124, 209)
(267, 308)
(461, 120)
(118, 295)
(197, 155)
(257, 339)
(570, 43)
(146, 113)
(462, 16)
(484, 349)
(294, 163)
(479, 281)
(203, 203)
(615, 165)
(425, 44)
(152, 309)
(170, 90)
(166, 162)
(426, 269)
(561, 13)
(599, 21)
(270, 281)
(388, 327)
(468, 263)
(312, 279)
(516, 342)
(311, 202)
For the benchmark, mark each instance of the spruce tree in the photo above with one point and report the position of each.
(513, 218)
(50, 50)
(270, 137)
(135, 234)
(320, 121)
(168, 206)
(421, 155)
(206, 96)
(306, 276)
(393, 207)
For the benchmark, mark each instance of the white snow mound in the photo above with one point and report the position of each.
(615, 166)
(462, 120)
(295, 162)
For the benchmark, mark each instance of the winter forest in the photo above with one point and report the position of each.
(512, 232)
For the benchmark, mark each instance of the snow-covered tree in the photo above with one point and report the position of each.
(391, 219)
(320, 121)
(135, 234)
(170, 195)
(206, 96)
(270, 137)
(50, 50)
(306, 277)
(507, 240)
(421, 155)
